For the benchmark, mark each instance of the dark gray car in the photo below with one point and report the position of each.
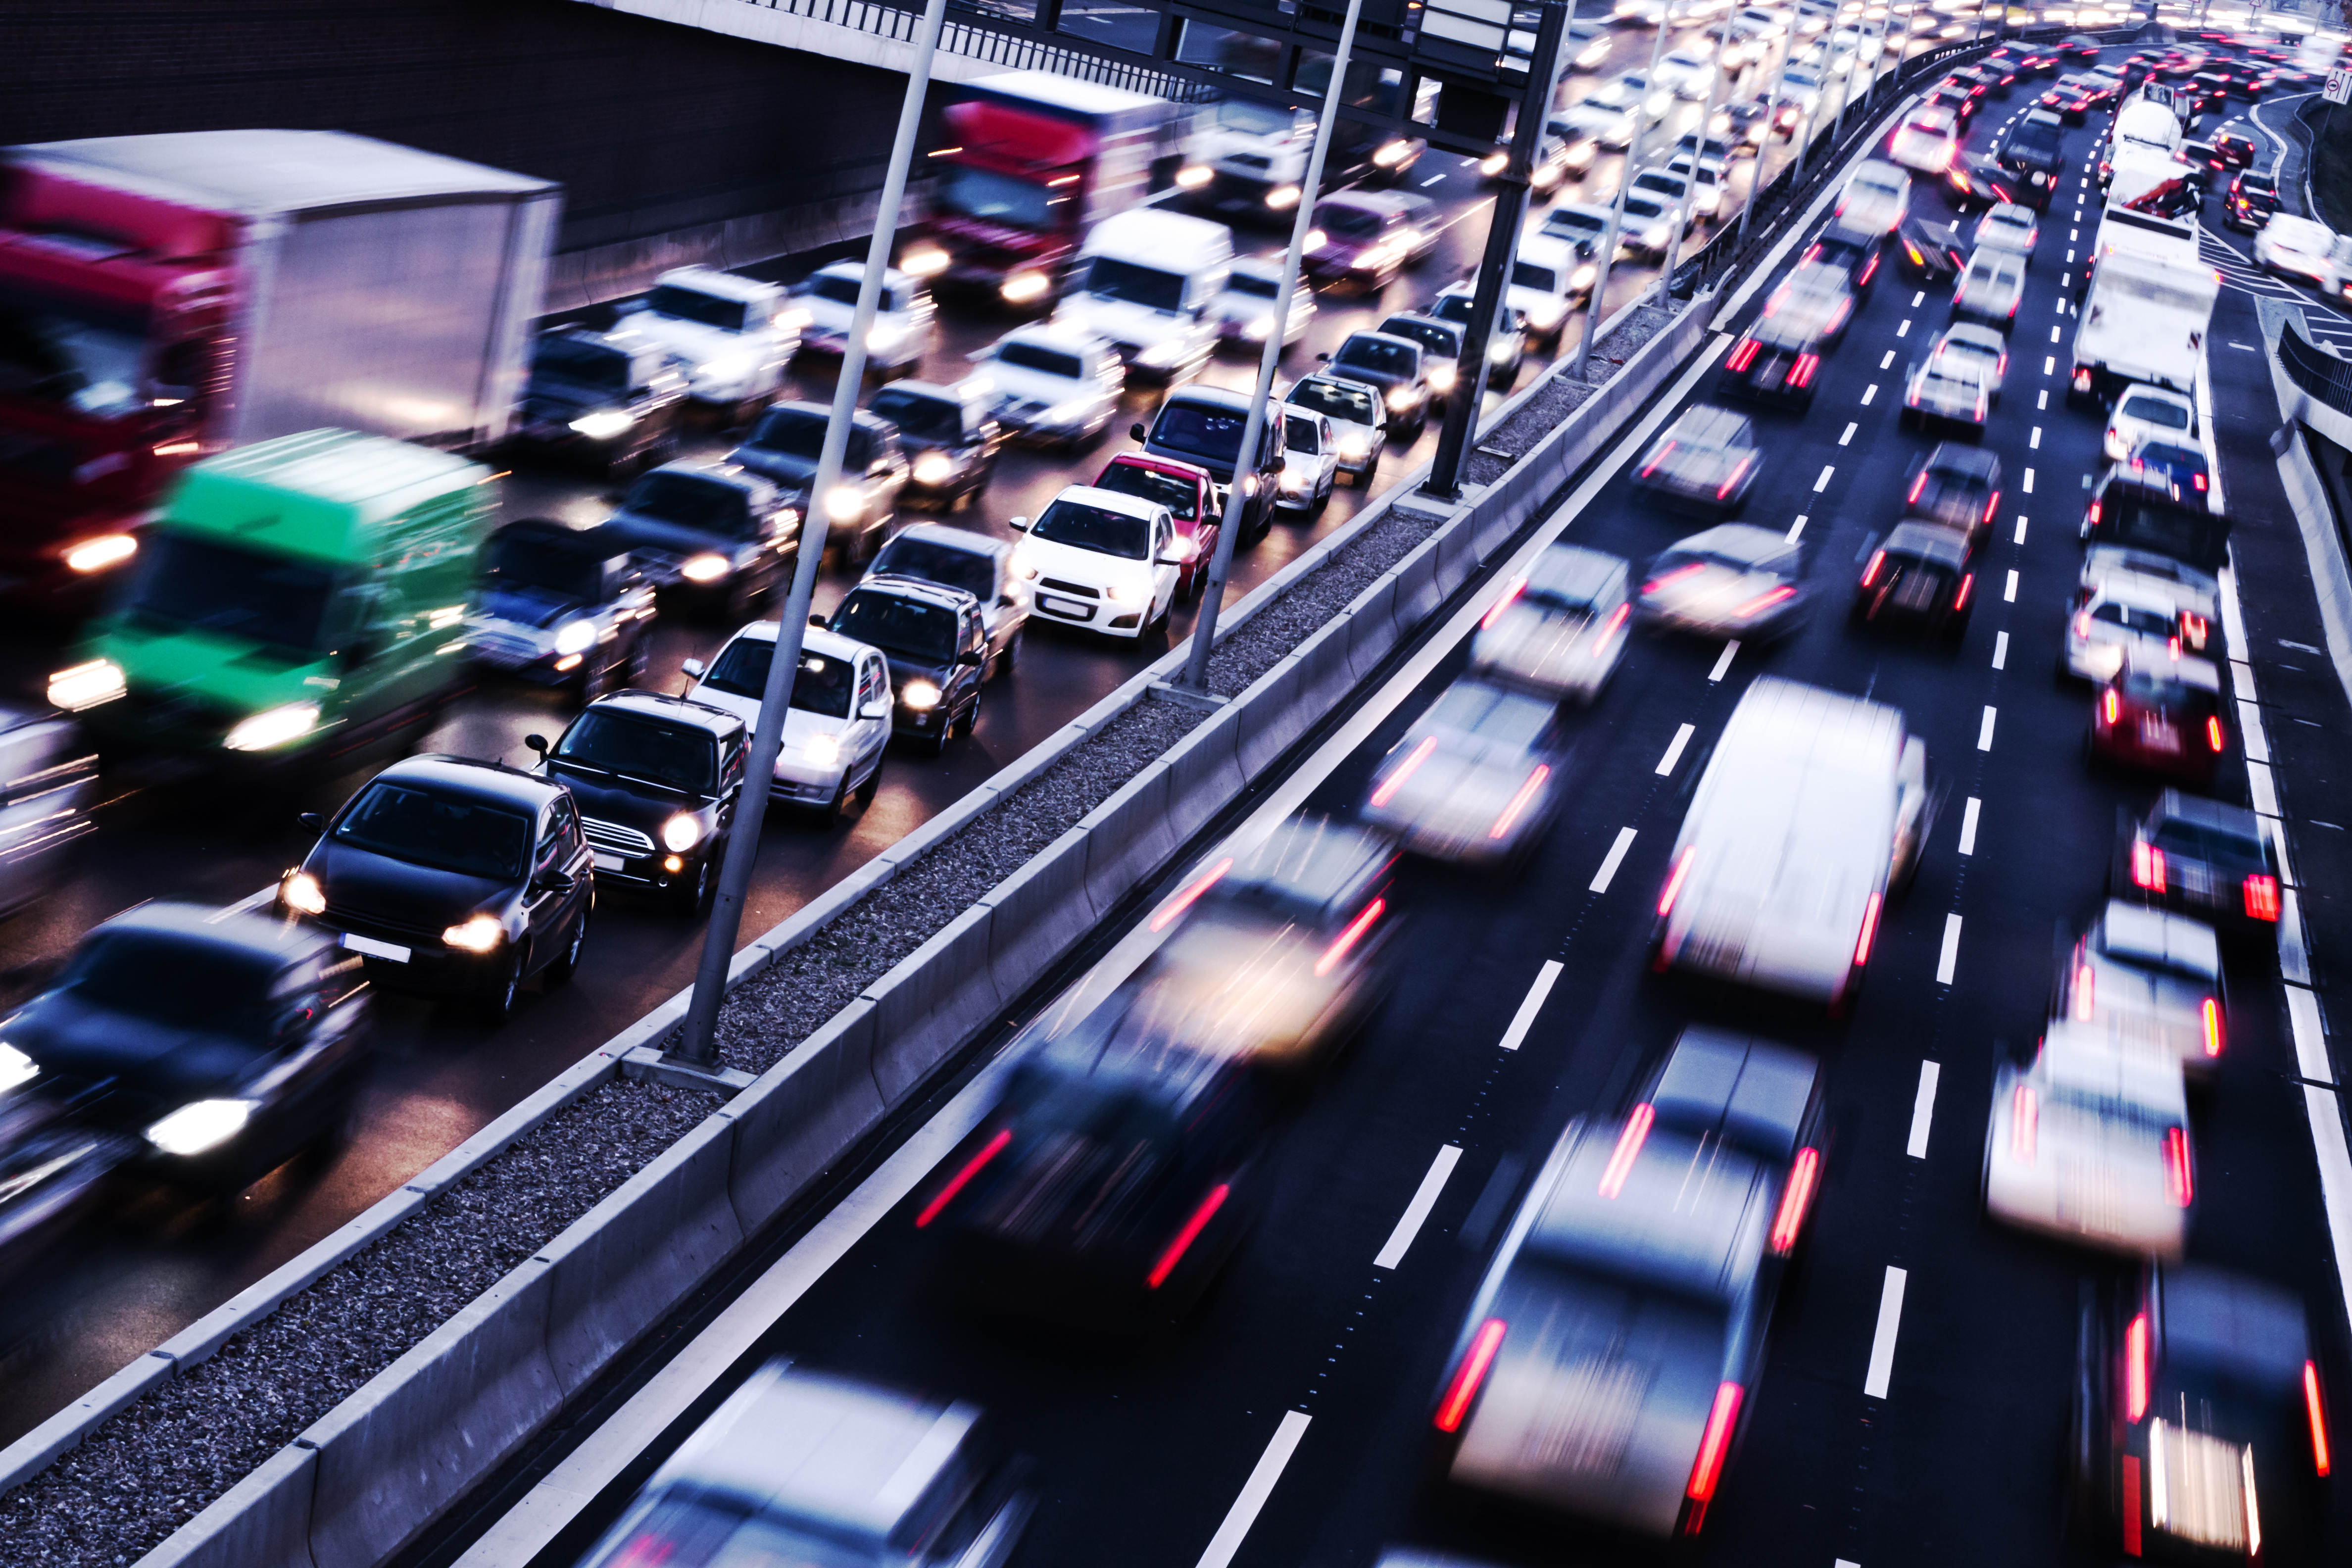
(783, 446)
(715, 533)
(1397, 369)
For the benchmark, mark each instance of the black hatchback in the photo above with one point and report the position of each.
(1957, 485)
(452, 878)
(1917, 577)
(938, 647)
(656, 780)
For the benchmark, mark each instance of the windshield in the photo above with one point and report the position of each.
(1036, 357)
(172, 980)
(800, 433)
(1584, 227)
(2156, 411)
(1204, 429)
(1435, 339)
(924, 633)
(705, 506)
(1527, 275)
(1111, 279)
(83, 355)
(1299, 435)
(1180, 494)
(615, 740)
(592, 368)
(945, 564)
(919, 414)
(1371, 354)
(1339, 400)
(196, 584)
(520, 561)
(999, 198)
(839, 289)
(1254, 286)
(824, 686)
(1350, 223)
(691, 305)
(1096, 528)
(445, 832)
(1453, 308)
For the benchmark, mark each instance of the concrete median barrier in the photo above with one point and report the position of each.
(1041, 911)
(801, 1115)
(1203, 774)
(263, 1522)
(924, 1009)
(1128, 837)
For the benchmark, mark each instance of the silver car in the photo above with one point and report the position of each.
(2148, 984)
(798, 1468)
(1991, 289)
(1705, 462)
(1476, 778)
(2092, 1145)
(1560, 627)
(974, 562)
(1732, 581)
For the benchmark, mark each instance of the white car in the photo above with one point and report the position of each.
(1310, 461)
(1801, 87)
(733, 335)
(1359, 431)
(2008, 226)
(1646, 226)
(2114, 616)
(839, 720)
(1704, 182)
(1243, 310)
(904, 317)
(1580, 223)
(2146, 412)
(1927, 143)
(1100, 560)
(1587, 46)
(1053, 383)
(1991, 289)
(1687, 71)
(2301, 248)
(1543, 287)
(1876, 198)
(2090, 1146)
(1968, 339)
(1757, 22)
(1666, 185)
(2146, 984)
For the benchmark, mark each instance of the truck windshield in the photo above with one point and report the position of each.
(83, 355)
(520, 561)
(822, 687)
(907, 627)
(706, 506)
(206, 586)
(999, 198)
(447, 832)
(692, 305)
(1111, 279)
(591, 367)
(616, 740)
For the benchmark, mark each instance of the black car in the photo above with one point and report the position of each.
(938, 647)
(713, 532)
(452, 878)
(53, 1168)
(1441, 350)
(1960, 98)
(654, 779)
(1204, 425)
(1957, 485)
(1395, 367)
(1917, 577)
(562, 606)
(950, 438)
(2200, 857)
(2147, 509)
(1977, 180)
(218, 1044)
(785, 447)
(2235, 149)
(2253, 197)
(1853, 249)
(1930, 253)
(609, 399)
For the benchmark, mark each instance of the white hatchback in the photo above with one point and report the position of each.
(1053, 383)
(1876, 198)
(1310, 461)
(1243, 310)
(839, 720)
(2149, 413)
(1100, 560)
(904, 317)
(2092, 1146)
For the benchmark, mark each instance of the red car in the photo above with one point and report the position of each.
(1190, 497)
(2163, 714)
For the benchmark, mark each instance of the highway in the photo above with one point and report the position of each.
(1954, 1459)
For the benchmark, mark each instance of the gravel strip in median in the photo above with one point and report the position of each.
(1556, 398)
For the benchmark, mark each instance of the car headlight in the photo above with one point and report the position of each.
(1441, 377)
(604, 424)
(1070, 413)
(476, 933)
(823, 751)
(1294, 478)
(1126, 592)
(273, 727)
(881, 338)
(1282, 198)
(1389, 154)
(301, 891)
(792, 320)
(98, 555)
(1163, 354)
(1193, 177)
(1025, 569)
(1259, 328)
(575, 637)
(933, 468)
(681, 833)
(924, 261)
(1354, 447)
(922, 695)
(844, 503)
(1497, 352)
(1583, 276)
(706, 568)
(1547, 314)
(86, 685)
(1401, 398)
(194, 1129)
(15, 1068)
(1494, 163)
(1024, 288)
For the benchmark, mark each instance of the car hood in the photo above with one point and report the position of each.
(695, 340)
(1091, 567)
(1384, 380)
(538, 608)
(361, 884)
(794, 473)
(154, 1067)
(645, 805)
(1121, 321)
(640, 533)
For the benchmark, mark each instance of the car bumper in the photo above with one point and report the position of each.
(421, 966)
(804, 784)
(649, 873)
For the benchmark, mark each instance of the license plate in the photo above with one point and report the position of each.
(374, 949)
(608, 862)
(1054, 605)
(2158, 735)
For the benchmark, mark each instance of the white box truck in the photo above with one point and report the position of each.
(2146, 307)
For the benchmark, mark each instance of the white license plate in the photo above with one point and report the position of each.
(1054, 604)
(608, 862)
(374, 949)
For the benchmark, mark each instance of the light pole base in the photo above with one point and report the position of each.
(645, 1062)
(1185, 697)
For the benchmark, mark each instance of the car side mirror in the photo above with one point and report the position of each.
(313, 821)
(693, 669)
(1019, 524)
(818, 621)
(877, 709)
(552, 882)
(1322, 359)
(1172, 557)
(1135, 432)
(968, 659)
(535, 743)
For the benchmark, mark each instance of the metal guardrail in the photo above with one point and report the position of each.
(972, 38)
(2319, 373)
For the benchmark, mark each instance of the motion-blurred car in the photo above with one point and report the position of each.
(2200, 857)
(2009, 226)
(1856, 252)
(1395, 367)
(1559, 628)
(2114, 615)
(1705, 182)
(48, 792)
(715, 532)
(905, 320)
(1646, 223)
(1876, 198)
(2145, 412)
(838, 723)
(1976, 179)
(1192, 501)
(1928, 141)
(1476, 778)
(1991, 289)
(1507, 350)
(656, 780)
(2252, 198)
(2301, 248)
(1704, 462)
(562, 606)
(799, 1467)
(1550, 275)
(950, 437)
(2091, 1145)
(785, 447)
(1917, 577)
(1204, 426)
(938, 650)
(54, 1168)
(1930, 253)
(1100, 560)
(608, 399)
(1947, 388)
(1363, 239)
(1441, 349)
(1581, 224)
(2146, 984)
(1957, 487)
(2148, 511)
(1359, 423)
(2162, 715)
(732, 335)
(223, 1042)
(973, 563)
(2236, 150)
(452, 878)
(2199, 1427)
(1310, 463)
(1244, 309)
(1054, 385)
(2167, 460)
(1818, 299)
(1731, 580)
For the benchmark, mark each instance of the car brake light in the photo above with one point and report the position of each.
(1868, 268)
(1677, 575)
(956, 1182)
(1350, 937)
(1869, 930)
(1706, 1469)
(2083, 383)
(1185, 900)
(1517, 586)
(1616, 620)
(2086, 990)
(2146, 866)
(2211, 1014)
(1472, 1372)
(2135, 1369)
(1652, 466)
(2177, 1185)
(1519, 801)
(2024, 1122)
(1744, 355)
(2110, 708)
(1801, 372)
(2213, 732)
(1629, 1148)
(1870, 572)
(2261, 898)
(1960, 599)
(1994, 503)
(1724, 490)
(1795, 1199)
(1917, 486)
(1764, 601)
(2319, 1421)
(1675, 882)
(1405, 770)
(1188, 1236)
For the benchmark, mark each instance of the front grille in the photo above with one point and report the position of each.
(344, 916)
(615, 840)
(1077, 590)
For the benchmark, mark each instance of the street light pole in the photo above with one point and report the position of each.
(1607, 256)
(698, 1042)
(1764, 143)
(1698, 157)
(1238, 494)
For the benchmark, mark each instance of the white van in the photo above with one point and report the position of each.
(1809, 813)
(732, 335)
(1144, 283)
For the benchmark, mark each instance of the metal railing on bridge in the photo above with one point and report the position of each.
(968, 34)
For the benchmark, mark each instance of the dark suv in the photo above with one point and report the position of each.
(2200, 857)
(938, 647)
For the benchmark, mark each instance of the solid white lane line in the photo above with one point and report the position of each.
(1882, 1343)
(1847, 440)
(1798, 527)
(2034, 442)
(1529, 1006)
(1887, 361)
(1984, 733)
(2020, 528)
(1611, 861)
(1950, 961)
(1255, 1491)
(1868, 393)
(2001, 650)
(1968, 825)
(2009, 590)
(1823, 482)
(1424, 1198)
(2029, 481)
(1675, 750)
(1723, 664)
(1922, 1110)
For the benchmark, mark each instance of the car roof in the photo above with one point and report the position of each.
(917, 588)
(959, 393)
(243, 931)
(2227, 1318)
(1974, 460)
(1268, 267)
(954, 538)
(2136, 932)
(1055, 336)
(1377, 201)
(816, 639)
(710, 280)
(2081, 1058)
(678, 709)
(485, 781)
(1315, 858)
(1930, 541)
(2234, 820)
(866, 418)
(1736, 542)
(1546, 249)
(893, 279)
(1223, 397)
(1705, 423)
(1572, 569)
(717, 471)
(1749, 1091)
(1110, 501)
(1687, 1215)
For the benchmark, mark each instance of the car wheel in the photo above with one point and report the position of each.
(565, 964)
(971, 717)
(832, 812)
(873, 783)
(1008, 658)
(496, 1004)
(1322, 500)
(693, 899)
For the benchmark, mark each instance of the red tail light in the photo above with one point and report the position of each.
(2135, 1369)
(2261, 898)
(2082, 625)
(1519, 801)
(1350, 937)
(1184, 899)
(1517, 586)
(1918, 485)
(1744, 355)
(1994, 503)
(1405, 770)
(2194, 628)
(1725, 488)
(2086, 985)
(1470, 1374)
(1960, 599)
(2146, 866)
(1616, 620)
(2210, 1014)
(1188, 1236)
(1658, 457)
(1796, 1198)
(2110, 708)
(1764, 601)
(1870, 572)
(1868, 269)
(2213, 732)
(1629, 1148)
(1706, 1469)
(2024, 1123)
(1801, 372)
(2319, 1421)
(1677, 575)
(956, 1182)
(2178, 1184)
(1675, 882)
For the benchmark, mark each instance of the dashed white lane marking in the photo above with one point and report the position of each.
(2028, 486)
(1923, 1109)
(1424, 1198)
(1268, 1470)
(1968, 825)
(1873, 1381)
(1823, 482)
(1724, 664)
(1430, 181)
(1905, 329)
(1919, 299)
(2034, 442)
(2055, 334)
(1984, 731)
(2001, 650)
(1611, 861)
(2020, 528)
(2045, 399)
(2049, 365)
(1675, 750)
(1847, 440)
(1887, 361)
(1949, 961)
(2070, 258)
(2009, 590)
(2073, 233)
(1798, 527)
(1525, 1018)
(1868, 393)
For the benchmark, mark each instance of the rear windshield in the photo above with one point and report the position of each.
(638, 746)
(909, 627)
(447, 832)
(824, 687)
(704, 506)
(692, 305)
(172, 980)
(970, 570)
(2156, 411)
(196, 584)
(1096, 528)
